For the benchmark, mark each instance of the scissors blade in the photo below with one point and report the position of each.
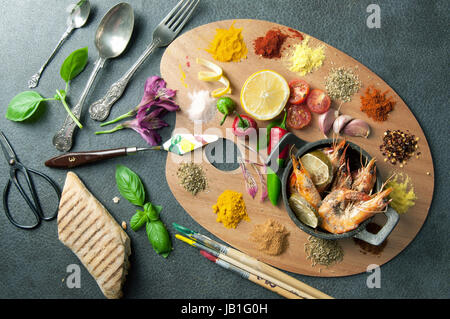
(7, 148)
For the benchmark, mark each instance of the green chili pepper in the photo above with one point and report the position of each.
(274, 183)
(226, 106)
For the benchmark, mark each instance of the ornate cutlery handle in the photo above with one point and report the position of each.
(34, 80)
(64, 137)
(100, 109)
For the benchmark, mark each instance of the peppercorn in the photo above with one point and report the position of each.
(399, 146)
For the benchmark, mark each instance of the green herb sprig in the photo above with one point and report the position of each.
(131, 188)
(26, 103)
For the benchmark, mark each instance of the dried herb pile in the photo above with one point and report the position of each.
(192, 177)
(323, 252)
(342, 83)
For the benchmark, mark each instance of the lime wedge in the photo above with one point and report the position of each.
(304, 211)
(319, 168)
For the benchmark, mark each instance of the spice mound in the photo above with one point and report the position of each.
(271, 237)
(323, 252)
(402, 195)
(192, 177)
(376, 105)
(303, 59)
(269, 46)
(228, 45)
(399, 146)
(342, 83)
(230, 209)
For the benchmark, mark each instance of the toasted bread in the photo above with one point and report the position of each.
(89, 230)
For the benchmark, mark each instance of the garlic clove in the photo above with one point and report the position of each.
(326, 121)
(357, 127)
(340, 122)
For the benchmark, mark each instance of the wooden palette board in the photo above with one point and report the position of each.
(179, 69)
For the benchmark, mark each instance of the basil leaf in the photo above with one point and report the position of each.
(152, 211)
(138, 220)
(74, 64)
(130, 185)
(159, 237)
(23, 106)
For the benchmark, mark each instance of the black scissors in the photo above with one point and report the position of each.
(33, 203)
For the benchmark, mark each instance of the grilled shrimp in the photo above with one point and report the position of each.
(365, 178)
(342, 178)
(303, 184)
(337, 155)
(340, 218)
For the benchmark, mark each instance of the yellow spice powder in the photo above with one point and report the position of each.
(303, 59)
(228, 45)
(230, 209)
(402, 195)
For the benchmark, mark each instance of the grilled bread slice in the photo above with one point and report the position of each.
(88, 229)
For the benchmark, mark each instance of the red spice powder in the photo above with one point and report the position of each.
(296, 34)
(269, 46)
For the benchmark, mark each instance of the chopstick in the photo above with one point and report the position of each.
(249, 276)
(299, 287)
(241, 266)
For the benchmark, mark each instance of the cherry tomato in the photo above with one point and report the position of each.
(299, 91)
(298, 116)
(318, 101)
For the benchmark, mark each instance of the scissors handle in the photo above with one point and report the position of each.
(33, 203)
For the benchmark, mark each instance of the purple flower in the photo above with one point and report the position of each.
(157, 101)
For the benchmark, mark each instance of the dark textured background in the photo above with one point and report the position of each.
(410, 52)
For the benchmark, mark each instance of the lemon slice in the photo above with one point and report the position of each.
(319, 168)
(215, 75)
(303, 210)
(264, 94)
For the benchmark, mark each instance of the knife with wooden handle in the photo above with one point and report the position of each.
(179, 144)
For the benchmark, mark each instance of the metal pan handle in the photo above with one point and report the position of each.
(288, 139)
(383, 233)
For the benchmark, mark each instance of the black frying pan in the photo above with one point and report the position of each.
(355, 152)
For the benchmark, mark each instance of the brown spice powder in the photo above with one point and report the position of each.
(271, 237)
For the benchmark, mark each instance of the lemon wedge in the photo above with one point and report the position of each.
(216, 74)
(319, 167)
(264, 94)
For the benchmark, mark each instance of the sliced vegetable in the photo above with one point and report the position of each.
(318, 101)
(261, 172)
(298, 116)
(299, 91)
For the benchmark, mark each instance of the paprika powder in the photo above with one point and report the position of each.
(269, 46)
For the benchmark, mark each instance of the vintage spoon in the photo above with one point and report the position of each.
(77, 18)
(111, 39)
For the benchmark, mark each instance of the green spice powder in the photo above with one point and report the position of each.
(192, 177)
(342, 83)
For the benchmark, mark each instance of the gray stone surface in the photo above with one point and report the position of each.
(409, 51)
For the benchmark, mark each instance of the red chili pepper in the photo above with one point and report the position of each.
(244, 125)
(276, 133)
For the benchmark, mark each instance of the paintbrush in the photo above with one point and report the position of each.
(311, 292)
(237, 263)
(249, 276)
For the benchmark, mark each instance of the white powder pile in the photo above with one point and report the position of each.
(203, 106)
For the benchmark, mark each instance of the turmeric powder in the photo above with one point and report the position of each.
(228, 45)
(230, 209)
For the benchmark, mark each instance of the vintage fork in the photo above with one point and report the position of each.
(163, 35)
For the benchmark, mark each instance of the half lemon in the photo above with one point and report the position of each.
(264, 94)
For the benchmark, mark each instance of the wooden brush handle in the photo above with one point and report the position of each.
(70, 160)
